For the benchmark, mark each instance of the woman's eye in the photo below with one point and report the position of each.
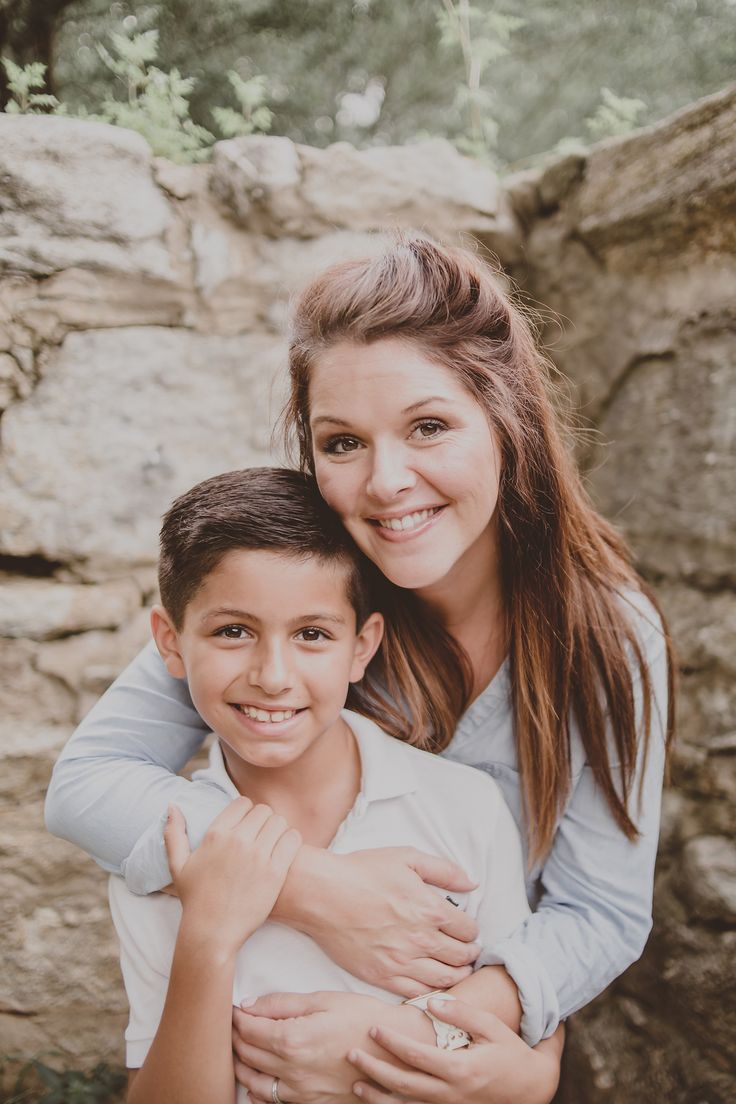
(340, 446)
(312, 635)
(429, 427)
(232, 632)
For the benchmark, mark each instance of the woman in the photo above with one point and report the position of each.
(419, 401)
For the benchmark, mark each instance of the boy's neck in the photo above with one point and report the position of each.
(314, 793)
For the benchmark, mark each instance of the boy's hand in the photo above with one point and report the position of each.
(232, 880)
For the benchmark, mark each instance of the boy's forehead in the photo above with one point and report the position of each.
(275, 581)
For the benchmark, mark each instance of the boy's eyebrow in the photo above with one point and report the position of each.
(243, 615)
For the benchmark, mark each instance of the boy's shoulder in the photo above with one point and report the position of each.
(426, 774)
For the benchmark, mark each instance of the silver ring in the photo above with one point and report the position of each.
(275, 1092)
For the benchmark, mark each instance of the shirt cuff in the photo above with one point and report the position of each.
(146, 869)
(539, 1003)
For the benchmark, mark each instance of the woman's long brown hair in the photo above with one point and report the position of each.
(574, 651)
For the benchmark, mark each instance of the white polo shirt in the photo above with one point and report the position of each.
(407, 798)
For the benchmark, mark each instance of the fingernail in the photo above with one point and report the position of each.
(248, 1002)
(352, 1055)
(358, 1090)
(373, 1033)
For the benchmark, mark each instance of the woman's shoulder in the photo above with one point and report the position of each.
(645, 620)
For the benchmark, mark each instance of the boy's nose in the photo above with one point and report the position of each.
(270, 672)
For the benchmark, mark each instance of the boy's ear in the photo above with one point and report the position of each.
(167, 642)
(367, 643)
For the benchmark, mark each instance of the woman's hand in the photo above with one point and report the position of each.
(303, 1040)
(497, 1068)
(374, 913)
(230, 883)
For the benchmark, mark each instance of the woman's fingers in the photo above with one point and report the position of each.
(417, 1086)
(175, 840)
(455, 952)
(442, 873)
(264, 1060)
(458, 924)
(259, 1085)
(418, 1056)
(431, 974)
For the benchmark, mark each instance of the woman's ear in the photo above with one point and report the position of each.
(167, 642)
(367, 641)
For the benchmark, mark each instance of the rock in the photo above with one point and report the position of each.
(272, 186)
(26, 696)
(708, 878)
(43, 609)
(78, 193)
(674, 500)
(80, 481)
(668, 189)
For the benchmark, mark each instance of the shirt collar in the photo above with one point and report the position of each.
(386, 767)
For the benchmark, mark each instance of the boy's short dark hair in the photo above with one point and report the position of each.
(255, 509)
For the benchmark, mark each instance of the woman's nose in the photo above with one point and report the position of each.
(390, 473)
(270, 671)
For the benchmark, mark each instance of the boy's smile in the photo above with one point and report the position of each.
(269, 646)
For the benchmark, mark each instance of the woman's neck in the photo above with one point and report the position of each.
(469, 602)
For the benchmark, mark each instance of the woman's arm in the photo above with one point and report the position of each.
(595, 912)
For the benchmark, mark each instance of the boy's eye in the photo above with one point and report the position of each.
(428, 427)
(312, 635)
(340, 446)
(233, 632)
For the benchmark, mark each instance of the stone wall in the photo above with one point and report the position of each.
(142, 308)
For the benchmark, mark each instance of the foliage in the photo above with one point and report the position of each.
(483, 37)
(157, 103)
(41, 1084)
(401, 72)
(254, 116)
(23, 83)
(615, 115)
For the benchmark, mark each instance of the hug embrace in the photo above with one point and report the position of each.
(479, 823)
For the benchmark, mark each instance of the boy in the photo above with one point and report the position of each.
(266, 611)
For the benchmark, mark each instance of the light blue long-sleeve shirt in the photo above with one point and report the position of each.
(592, 897)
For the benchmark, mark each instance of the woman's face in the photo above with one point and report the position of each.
(406, 457)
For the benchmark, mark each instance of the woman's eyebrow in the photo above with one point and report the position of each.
(425, 402)
(328, 418)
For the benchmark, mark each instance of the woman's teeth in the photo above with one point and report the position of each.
(408, 521)
(265, 714)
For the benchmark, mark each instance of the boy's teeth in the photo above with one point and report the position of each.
(408, 521)
(266, 715)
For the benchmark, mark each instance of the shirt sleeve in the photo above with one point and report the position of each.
(113, 783)
(595, 911)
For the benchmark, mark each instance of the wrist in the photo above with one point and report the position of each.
(199, 940)
(308, 886)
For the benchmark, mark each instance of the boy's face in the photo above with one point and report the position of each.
(269, 645)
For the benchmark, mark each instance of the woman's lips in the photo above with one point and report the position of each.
(412, 524)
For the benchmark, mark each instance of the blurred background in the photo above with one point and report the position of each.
(588, 150)
(508, 80)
